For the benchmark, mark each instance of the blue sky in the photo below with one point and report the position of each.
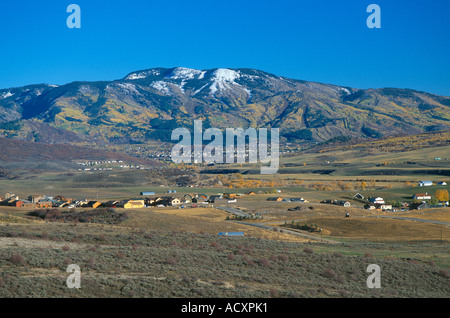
(325, 41)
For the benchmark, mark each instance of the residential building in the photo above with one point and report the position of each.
(421, 196)
(275, 199)
(131, 204)
(376, 200)
(344, 203)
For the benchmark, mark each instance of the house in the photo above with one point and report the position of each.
(152, 201)
(43, 204)
(111, 204)
(421, 196)
(28, 204)
(60, 204)
(230, 196)
(187, 198)
(147, 193)
(168, 201)
(425, 183)
(344, 203)
(278, 199)
(442, 183)
(376, 200)
(16, 203)
(386, 207)
(419, 206)
(90, 204)
(358, 196)
(370, 206)
(6, 201)
(131, 204)
(35, 198)
(9, 195)
(297, 200)
(61, 198)
(215, 198)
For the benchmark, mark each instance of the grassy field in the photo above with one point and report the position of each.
(136, 258)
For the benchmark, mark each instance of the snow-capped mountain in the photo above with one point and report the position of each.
(148, 104)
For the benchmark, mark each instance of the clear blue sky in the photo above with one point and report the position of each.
(325, 40)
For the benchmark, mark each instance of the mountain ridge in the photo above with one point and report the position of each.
(149, 104)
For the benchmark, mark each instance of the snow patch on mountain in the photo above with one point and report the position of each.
(345, 90)
(128, 87)
(184, 73)
(122, 88)
(161, 86)
(144, 74)
(135, 76)
(200, 89)
(6, 95)
(223, 79)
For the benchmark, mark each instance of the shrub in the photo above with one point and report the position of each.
(120, 255)
(273, 293)
(329, 273)
(65, 248)
(17, 259)
(308, 250)
(171, 261)
(250, 262)
(264, 262)
(444, 273)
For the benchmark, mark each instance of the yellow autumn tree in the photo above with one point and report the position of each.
(441, 195)
(363, 185)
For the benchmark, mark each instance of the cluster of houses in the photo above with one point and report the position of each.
(150, 200)
(377, 203)
(89, 166)
(39, 202)
(146, 199)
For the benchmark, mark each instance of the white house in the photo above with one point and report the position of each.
(376, 200)
(421, 196)
(443, 183)
(425, 183)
